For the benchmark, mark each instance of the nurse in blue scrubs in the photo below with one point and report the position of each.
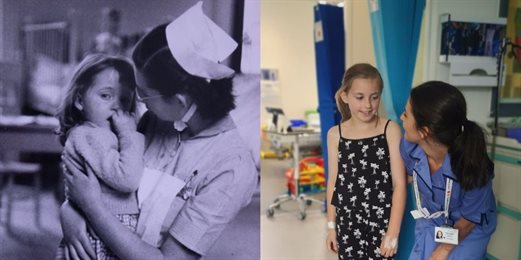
(445, 154)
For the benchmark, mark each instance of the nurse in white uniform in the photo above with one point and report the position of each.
(199, 172)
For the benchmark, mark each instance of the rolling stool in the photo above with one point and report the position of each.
(12, 169)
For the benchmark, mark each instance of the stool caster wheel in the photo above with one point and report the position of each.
(270, 212)
(277, 206)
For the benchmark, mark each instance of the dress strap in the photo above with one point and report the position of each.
(386, 124)
(339, 132)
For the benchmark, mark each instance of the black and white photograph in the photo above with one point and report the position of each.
(129, 129)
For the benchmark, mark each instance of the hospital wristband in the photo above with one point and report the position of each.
(331, 225)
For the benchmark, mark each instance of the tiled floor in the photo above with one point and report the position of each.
(284, 236)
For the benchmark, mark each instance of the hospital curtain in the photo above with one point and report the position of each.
(396, 29)
(330, 64)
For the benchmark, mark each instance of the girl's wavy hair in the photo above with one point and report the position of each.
(441, 108)
(357, 71)
(151, 56)
(68, 115)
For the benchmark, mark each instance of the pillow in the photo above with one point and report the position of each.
(47, 81)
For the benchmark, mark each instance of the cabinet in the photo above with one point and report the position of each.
(506, 241)
(469, 47)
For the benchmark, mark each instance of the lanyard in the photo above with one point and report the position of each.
(448, 191)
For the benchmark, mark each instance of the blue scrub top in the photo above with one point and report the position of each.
(477, 205)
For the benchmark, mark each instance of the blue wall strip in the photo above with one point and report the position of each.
(509, 212)
(491, 257)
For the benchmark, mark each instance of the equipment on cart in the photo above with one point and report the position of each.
(278, 121)
(309, 178)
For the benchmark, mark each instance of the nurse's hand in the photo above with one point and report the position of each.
(77, 244)
(84, 188)
(441, 252)
(331, 242)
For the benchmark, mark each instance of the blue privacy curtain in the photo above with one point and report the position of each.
(396, 30)
(330, 65)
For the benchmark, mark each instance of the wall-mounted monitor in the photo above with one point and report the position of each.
(464, 38)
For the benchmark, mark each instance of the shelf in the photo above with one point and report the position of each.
(466, 59)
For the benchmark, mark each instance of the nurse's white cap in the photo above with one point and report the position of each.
(199, 45)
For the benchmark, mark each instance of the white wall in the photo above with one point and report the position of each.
(287, 44)
(359, 39)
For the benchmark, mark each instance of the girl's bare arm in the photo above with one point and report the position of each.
(332, 155)
(399, 189)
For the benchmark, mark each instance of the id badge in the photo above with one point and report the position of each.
(417, 214)
(446, 235)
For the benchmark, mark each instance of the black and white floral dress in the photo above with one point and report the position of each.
(362, 196)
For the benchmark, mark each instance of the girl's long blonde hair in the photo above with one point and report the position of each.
(357, 71)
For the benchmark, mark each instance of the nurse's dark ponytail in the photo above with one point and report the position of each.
(469, 156)
(442, 109)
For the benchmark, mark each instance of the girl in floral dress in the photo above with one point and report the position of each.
(366, 183)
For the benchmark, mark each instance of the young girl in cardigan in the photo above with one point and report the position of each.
(98, 131)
